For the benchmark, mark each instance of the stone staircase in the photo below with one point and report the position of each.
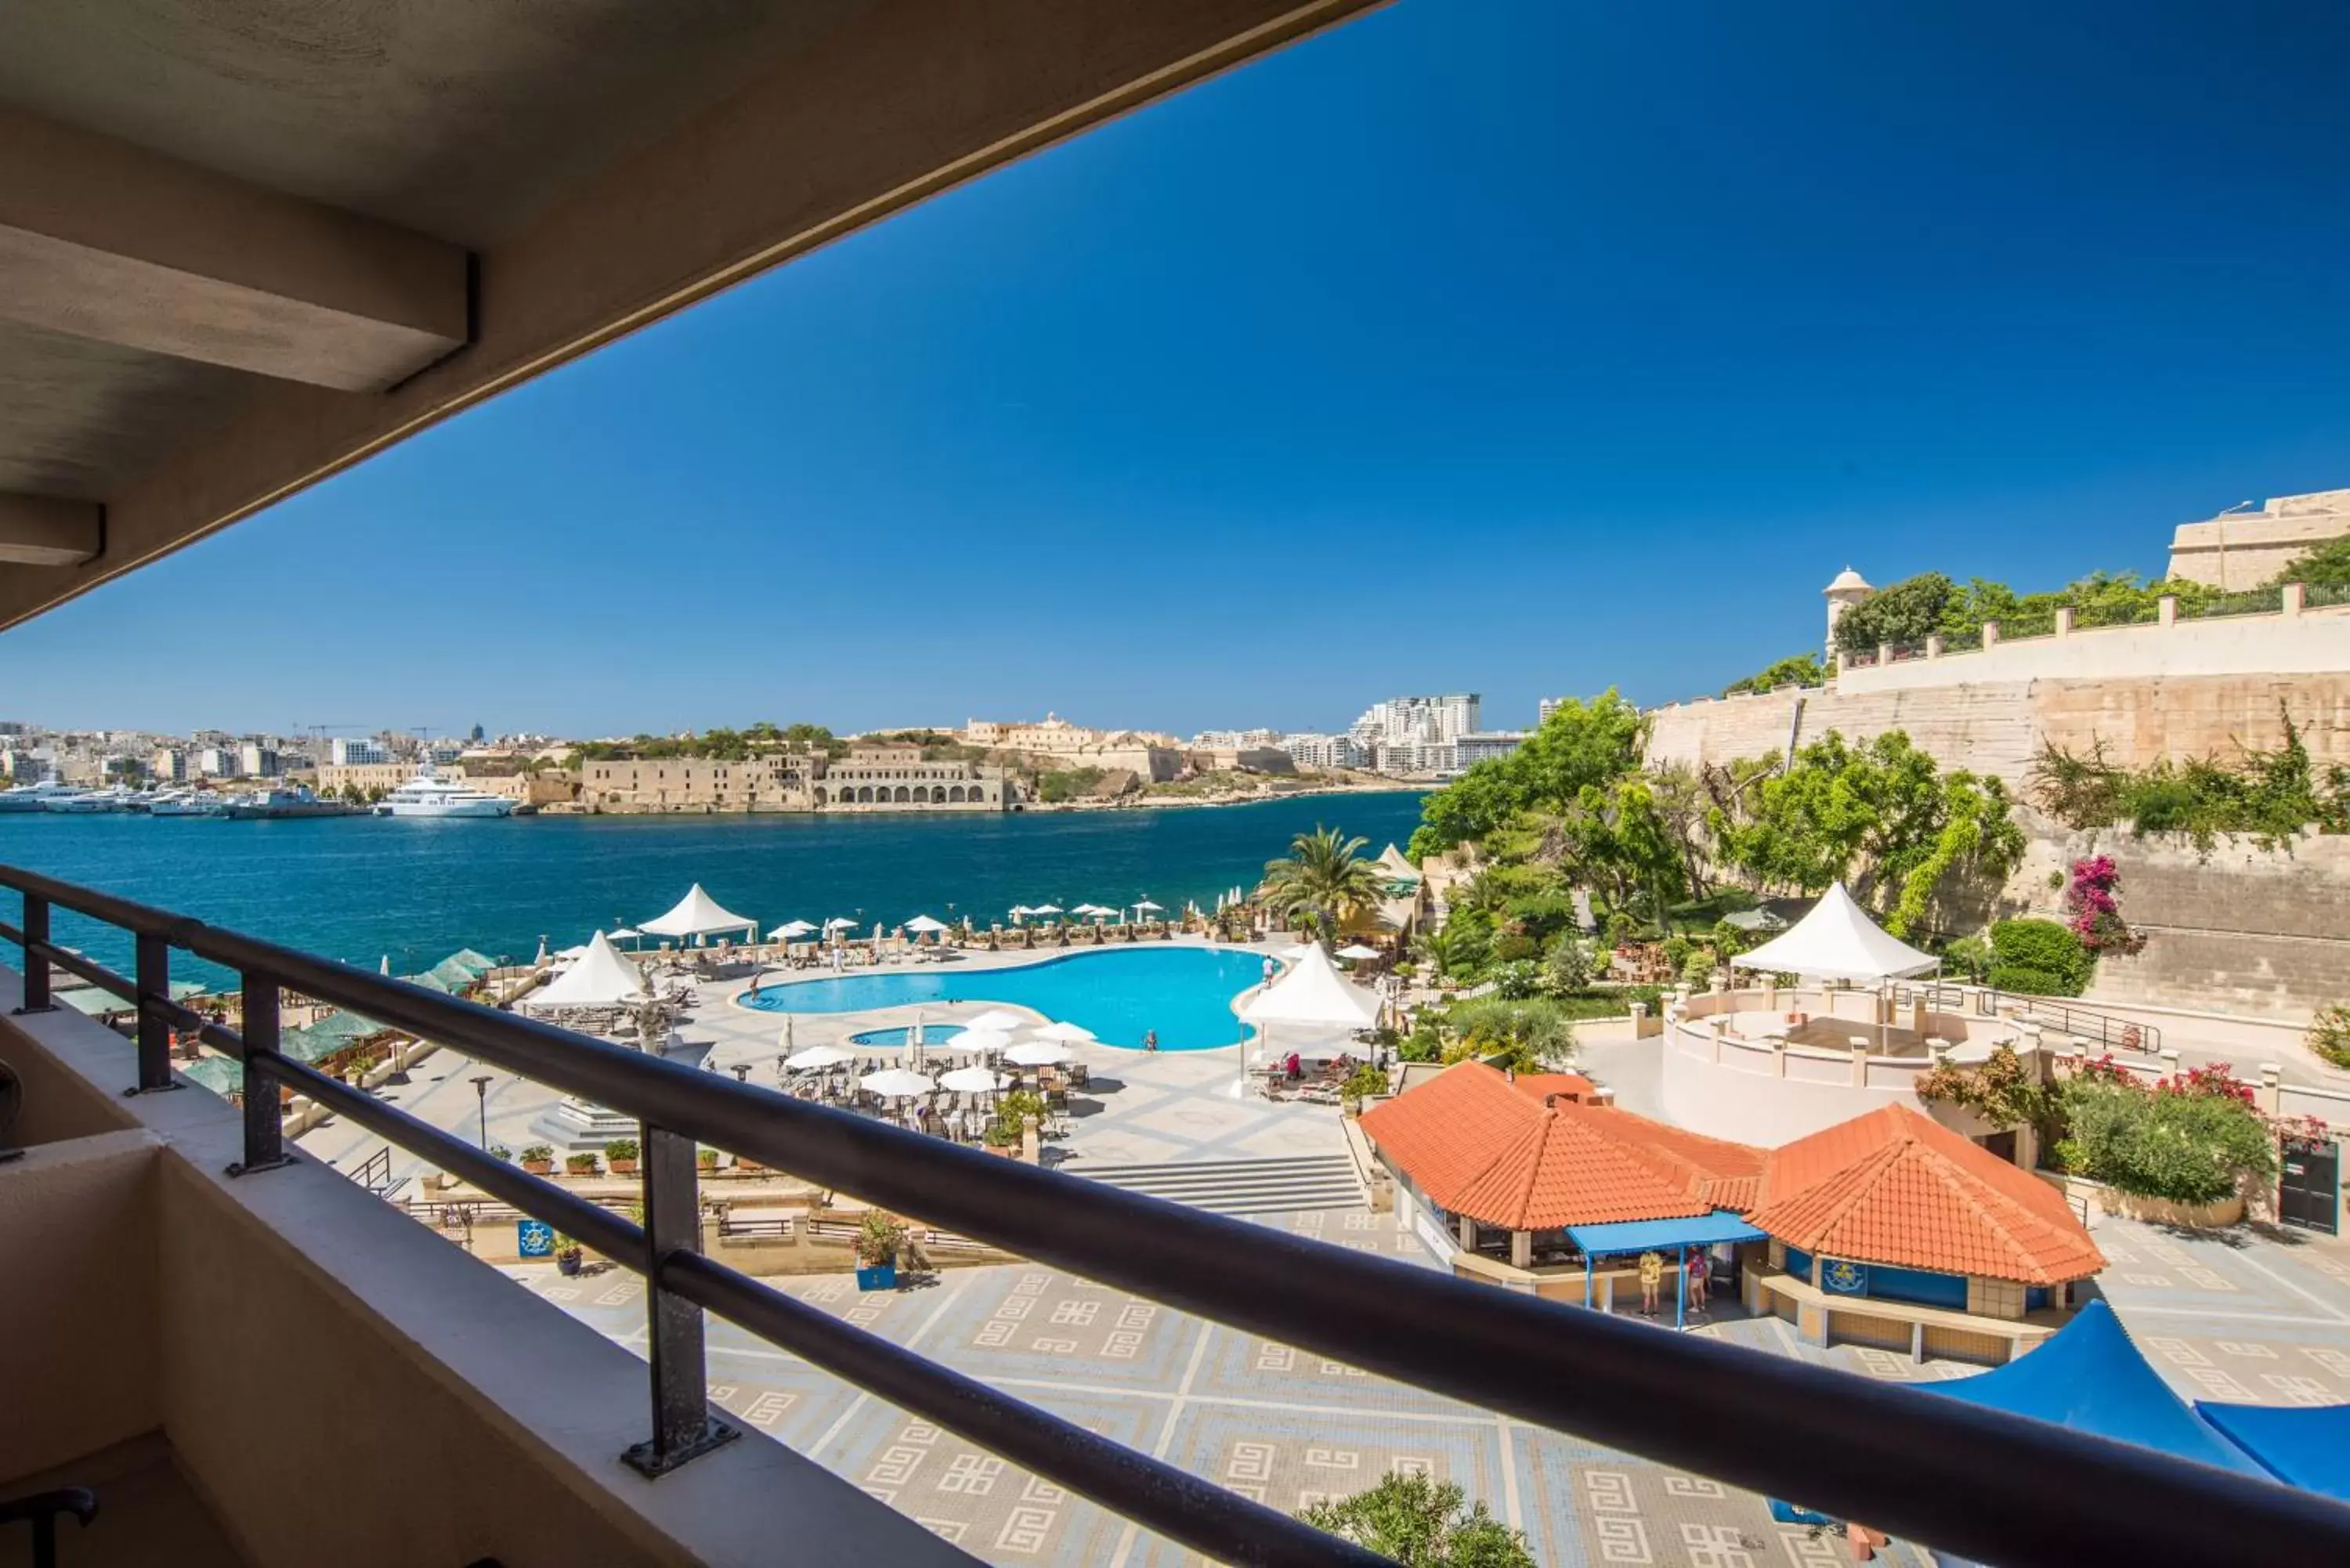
(1237, 1186)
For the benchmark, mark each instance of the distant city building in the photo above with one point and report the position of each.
(11, 727)
(444, 752)
(1323, 751)
(169, 765)
(1147, 754)
(1237, 740)
(869, 778)
(1545, 708)
(355, 751)
(1484, 745)
(1415, 734)
(257, 761)
(217, 762)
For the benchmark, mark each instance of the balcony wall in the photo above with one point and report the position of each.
(336, 1383)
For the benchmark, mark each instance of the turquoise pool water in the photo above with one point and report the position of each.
(1120, 994)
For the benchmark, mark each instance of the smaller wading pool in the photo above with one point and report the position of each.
(1120, 994)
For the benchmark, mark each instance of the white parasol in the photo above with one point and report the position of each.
(972, 1081)
(897, 1084)
(818, 1056)
(1037, 1053)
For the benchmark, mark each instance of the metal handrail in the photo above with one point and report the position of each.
(2107, 1029)
(1900, 1459)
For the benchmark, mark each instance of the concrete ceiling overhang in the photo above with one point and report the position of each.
(248, 243)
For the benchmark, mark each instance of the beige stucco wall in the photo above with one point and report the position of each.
(2311, 642)
(338, 1384)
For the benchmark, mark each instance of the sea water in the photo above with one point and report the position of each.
(364, 888)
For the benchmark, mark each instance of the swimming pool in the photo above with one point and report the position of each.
(1120, 994)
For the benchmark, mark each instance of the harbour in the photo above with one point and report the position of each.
(368, 889)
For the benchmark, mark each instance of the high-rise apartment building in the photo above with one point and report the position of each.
(354, 750)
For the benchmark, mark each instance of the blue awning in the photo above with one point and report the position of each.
(1662, 1235)
(2090, 1377)
(2302, 1446)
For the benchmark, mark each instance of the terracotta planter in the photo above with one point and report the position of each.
(1009, 1151)
(623, 1167)
(539, 1167)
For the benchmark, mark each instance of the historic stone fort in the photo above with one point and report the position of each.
(2241, 926)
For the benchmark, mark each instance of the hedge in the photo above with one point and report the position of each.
(2042, 949)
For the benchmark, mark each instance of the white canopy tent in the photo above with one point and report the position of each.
(602, 978)
(699, 915)
(1837, 941)
(1314, 1001)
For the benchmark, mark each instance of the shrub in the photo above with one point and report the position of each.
(1568, 966)
(2191, 1139)
(1529, 1036)
(2026, 980)
(1518, 980)
(2329, 1034)
(500, 1151)
(1509, 947)
(620, 1149)
(1541, 915)
(582, 1164)
(706, 1159)
(537, 1151)
(1969, 956)
(2046, 945)
(1698, 972)
(1364, 1081)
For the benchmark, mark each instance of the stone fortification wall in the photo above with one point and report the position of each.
(1997, 727)
(2241, 930)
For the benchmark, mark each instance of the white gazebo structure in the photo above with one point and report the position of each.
(601, 978)
(697, 914)
(1314, 998)
(1837, 941)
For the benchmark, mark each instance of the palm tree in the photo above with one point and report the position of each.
(1324, 876)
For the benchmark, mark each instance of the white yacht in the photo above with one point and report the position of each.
(431, 795)
(187, 803)
(37, 796)
(88, 801)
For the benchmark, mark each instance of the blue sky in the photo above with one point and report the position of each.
(1515, 345)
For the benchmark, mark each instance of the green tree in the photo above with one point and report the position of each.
(2325, 566)
(1323, 875)
(1880, 815)
(1909, 611)
(1580, 745)
(1421, 1522)
(1796, 669)
(2194, 1139)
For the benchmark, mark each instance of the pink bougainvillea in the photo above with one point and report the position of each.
(2096, 913)
(2218, 1081)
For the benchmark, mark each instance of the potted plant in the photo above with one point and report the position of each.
(1001, 1136)
(582, 1164)
(500, 1151)
(879, 1237)
(539, 1159)
(621, 1154)
(568, 1256)
(706, 1159)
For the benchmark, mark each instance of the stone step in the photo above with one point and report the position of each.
(1240, 1186)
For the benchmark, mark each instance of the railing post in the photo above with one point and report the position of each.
(264, 1130)
(683, 1427)
(36, 958)
(152, 974)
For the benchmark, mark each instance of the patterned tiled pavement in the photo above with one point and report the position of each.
(1278, 1424)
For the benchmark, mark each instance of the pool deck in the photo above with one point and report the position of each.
(1141, 1107)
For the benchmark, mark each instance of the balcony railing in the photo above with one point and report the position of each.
(1997, 1488)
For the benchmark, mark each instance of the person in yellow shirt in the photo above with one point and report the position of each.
(1652, 1278)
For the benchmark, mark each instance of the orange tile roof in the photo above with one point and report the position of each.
(1477, 1145)
(1894, 1187)
(1536, 1085)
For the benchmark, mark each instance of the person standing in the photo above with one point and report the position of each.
(1652, 1278)
(1701, 1279)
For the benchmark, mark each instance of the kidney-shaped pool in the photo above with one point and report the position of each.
(1120, 994)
